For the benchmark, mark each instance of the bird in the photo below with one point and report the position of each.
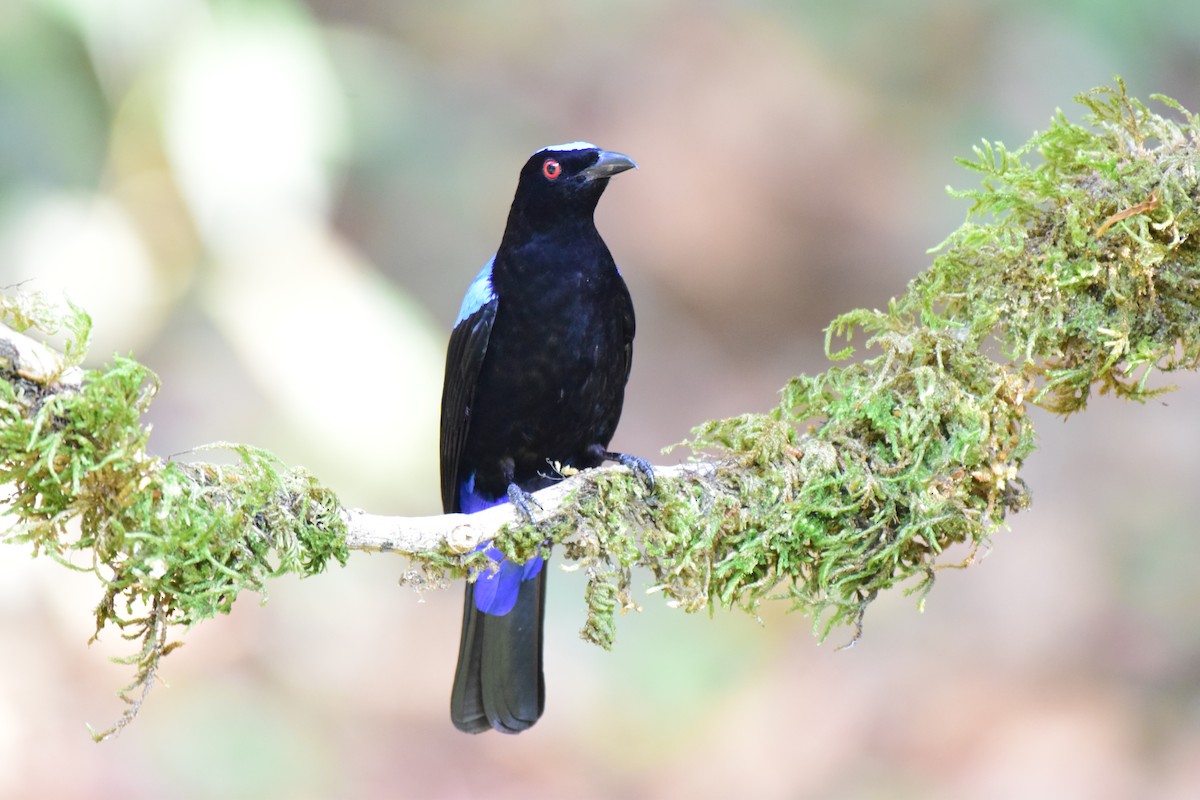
(536, 369)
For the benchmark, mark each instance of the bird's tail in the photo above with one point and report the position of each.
(499, 683)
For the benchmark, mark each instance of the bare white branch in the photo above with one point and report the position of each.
(35, 361)
(463, 532)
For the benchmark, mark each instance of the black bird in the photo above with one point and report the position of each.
(535, 376)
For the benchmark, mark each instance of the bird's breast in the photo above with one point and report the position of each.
(553, 380)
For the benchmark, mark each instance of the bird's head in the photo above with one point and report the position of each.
(566, 178)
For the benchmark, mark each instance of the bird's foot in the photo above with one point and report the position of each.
(636, 464)
(524, 501)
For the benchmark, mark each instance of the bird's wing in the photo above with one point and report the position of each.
(464, 358)
(630, 327)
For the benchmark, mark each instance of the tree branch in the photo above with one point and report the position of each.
(462, 533)
(31, 360)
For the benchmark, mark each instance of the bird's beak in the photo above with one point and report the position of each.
(609, 164)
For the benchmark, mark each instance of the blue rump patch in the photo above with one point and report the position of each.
(495, 591)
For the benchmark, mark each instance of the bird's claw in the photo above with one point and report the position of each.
(637, 465)
(524, 501)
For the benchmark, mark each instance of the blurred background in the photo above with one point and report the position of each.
(277, 206)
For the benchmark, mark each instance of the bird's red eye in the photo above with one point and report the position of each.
(551, 169)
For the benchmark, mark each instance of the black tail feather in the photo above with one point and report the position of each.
(499, 682)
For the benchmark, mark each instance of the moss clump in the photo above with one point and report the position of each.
(870, 472)
(172, 544)
(1080, 254)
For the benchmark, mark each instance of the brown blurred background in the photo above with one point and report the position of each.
(277, 206)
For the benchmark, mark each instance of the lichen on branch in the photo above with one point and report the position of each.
(1077, 268)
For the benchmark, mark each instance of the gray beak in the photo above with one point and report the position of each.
(609, 164)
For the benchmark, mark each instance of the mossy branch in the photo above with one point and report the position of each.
(1077, 267)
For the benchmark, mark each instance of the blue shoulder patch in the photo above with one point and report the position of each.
(479, 293)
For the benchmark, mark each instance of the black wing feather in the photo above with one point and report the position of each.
(464, 359)
(630, 329)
